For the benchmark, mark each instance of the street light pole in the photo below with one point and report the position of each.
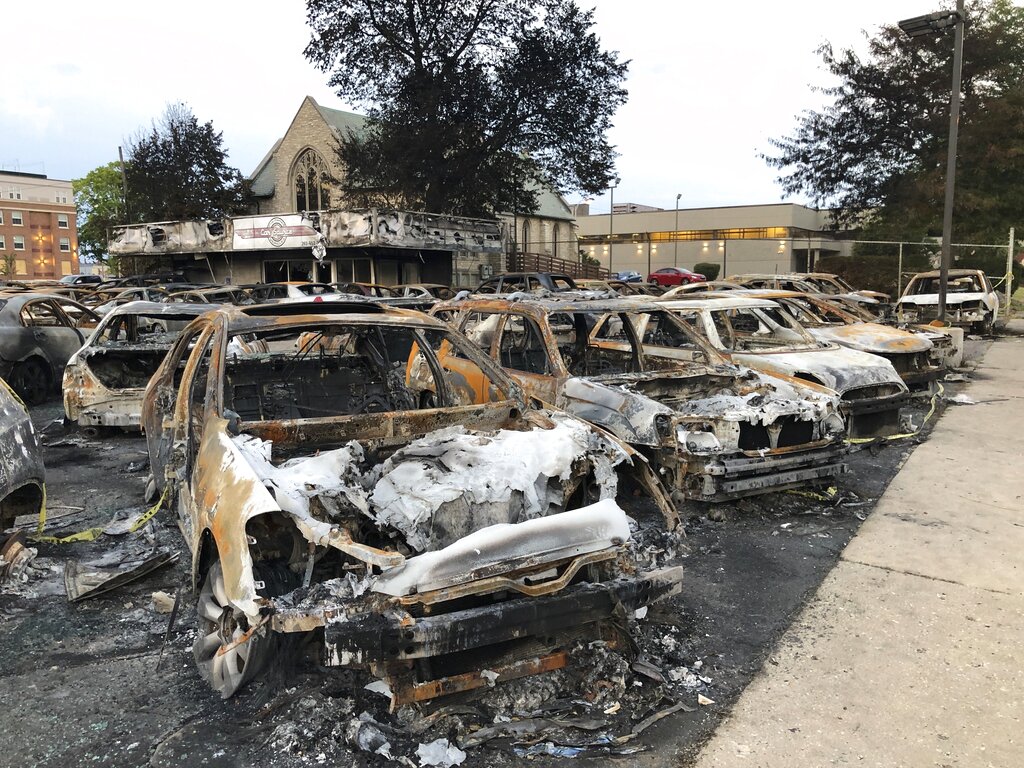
(675, 235)
(611, 223)
(923, 25)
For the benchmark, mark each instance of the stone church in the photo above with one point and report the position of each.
(295, 176)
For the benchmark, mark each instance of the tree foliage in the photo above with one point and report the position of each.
(877, 153)
(99, 199)
(178, 170)
(471, 104)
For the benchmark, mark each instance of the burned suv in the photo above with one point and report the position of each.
(714, 431)
(331, 475)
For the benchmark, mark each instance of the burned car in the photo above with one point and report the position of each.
(21, 460)
(331, 476)
(910, 352)
(714, 431)
(105, 380)
(759, 334)
(971, 301)
(38, 333)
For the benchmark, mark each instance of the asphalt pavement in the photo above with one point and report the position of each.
(909, 653)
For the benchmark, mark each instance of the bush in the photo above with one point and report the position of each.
(878, 273)
(706, 268)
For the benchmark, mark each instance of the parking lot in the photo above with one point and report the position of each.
(106, 681)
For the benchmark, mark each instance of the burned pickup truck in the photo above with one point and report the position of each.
(759, 334)
(104, 381)
(332, 476)
(714, 431)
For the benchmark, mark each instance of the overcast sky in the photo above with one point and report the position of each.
(709, 83)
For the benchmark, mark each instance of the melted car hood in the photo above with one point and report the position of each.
(841, 369)
(873, 337)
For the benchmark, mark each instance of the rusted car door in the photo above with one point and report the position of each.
(52, 331)
(524, 351)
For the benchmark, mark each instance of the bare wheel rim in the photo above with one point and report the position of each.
(226, 653)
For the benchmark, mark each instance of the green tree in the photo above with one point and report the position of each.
(877, 153)
(99, 200)
(178, 170)
(470, 105)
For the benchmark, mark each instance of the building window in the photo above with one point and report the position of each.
(16, 219)
(3, 243)
(14, 193)
(310, 180)
(61, 198)
(1, 217)
(19, 243)
(65, 244)
(62, 220)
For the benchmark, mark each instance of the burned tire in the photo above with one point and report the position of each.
(31, 380)
(228, 651)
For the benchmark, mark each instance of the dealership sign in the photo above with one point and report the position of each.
(269, 232)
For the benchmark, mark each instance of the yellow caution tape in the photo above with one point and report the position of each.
(91, 534)
(931, 410)
(829, 495)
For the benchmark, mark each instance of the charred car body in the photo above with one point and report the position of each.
(910, 352)
(105, 380)
(38, 333)
(971, 301)
(21, 461)
(759, 334)
(714, 432)
(332, 476)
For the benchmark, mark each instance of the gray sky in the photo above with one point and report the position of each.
(709, 83)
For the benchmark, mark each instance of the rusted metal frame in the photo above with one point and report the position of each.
(411, 692)
(381, 426)
(779, 481)
(341, 539)
(508, 582)
(789, 449)
(773, 463)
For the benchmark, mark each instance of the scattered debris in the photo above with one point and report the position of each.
(15, 558)
(107, 573)
(162, 602)
(956, 377)
(704, 701)
(441, 753)
(961, 400)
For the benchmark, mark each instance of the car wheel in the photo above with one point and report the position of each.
(984, 328)
(228, 651)
(31, 380)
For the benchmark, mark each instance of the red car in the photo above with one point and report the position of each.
(674, 276)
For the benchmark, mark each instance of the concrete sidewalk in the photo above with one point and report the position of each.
(911, 653)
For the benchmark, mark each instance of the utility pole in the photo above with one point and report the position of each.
(1009, 272)
(124, 184)
(675, 236)
(611, 223)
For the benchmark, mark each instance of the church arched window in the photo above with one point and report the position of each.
(310, 182)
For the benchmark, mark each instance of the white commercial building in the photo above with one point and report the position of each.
(783, 237)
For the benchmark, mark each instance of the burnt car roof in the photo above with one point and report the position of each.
(559, 303)
(300, 313)
(160, 308)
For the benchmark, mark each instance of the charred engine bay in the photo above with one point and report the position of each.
(103, 681)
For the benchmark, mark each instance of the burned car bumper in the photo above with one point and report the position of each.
(872, 416)
(732, 477)
(397, 635)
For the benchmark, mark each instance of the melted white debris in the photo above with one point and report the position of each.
(407, 489)
(756, 408)
(579, 531)
(484, 468)
(441, 753)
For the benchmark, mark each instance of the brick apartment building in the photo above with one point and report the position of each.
(38, 228)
